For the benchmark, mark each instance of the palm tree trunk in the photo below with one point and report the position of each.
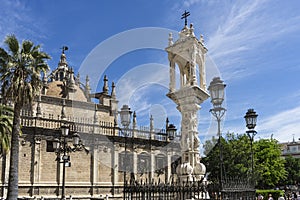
(14, 156)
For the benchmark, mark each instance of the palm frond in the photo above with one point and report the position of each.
(27, 46)
(21, 71)
(12, 44)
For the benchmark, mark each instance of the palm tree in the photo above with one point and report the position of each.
(20, 77)
(6, 117)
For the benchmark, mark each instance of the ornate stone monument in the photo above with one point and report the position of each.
(188, 54)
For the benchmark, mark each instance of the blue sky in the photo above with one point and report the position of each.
(254, 44)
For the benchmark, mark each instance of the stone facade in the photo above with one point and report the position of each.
(100, 168)
(291, 148)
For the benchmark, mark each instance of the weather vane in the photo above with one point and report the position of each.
(184, 16)
(64, 48)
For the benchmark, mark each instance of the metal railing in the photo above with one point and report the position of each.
(166, 191)
(233, 189)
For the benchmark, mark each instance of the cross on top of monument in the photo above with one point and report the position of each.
(184, 16)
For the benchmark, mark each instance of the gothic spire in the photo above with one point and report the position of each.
(151, 123)
(87, 86)
(63, 60)
(71, 84)
(38, 107)
(105, 86)
(113, 90)
(134, 123)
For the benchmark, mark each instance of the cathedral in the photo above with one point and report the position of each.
(110, 148)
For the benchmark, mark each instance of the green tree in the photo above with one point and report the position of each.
(236, 156)
(292, 166)
(6, 117)
(269, 165)
(212, 159)
(209, 145)
(20, 76)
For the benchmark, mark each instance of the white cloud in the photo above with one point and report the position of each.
(241, 30)
(189, 3)
(141, 76)
(282, 125)
(16, 19)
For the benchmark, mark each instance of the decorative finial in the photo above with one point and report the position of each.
(64, 48)
(151, 123)
(294, 138)
(113, 90)
(167, 123)
(201, 39)
(87, 80)
(134, 120)
(45, 84)
(184, 16)
(87, 87)
(170, 39)
(192, 30)
(71, 80)
(38, 108)
(105, 86)
(63, 59)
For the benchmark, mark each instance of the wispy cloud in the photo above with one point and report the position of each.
(242, 28)
(239, 36)
(282, 125)
(141, 76)
(16, 19)
(189, 3)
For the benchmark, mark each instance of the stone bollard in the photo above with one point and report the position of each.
(71, 197)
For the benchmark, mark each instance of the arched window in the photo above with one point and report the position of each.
(61, 76)
(125, 162)
(143, 165)
(161, 164)
(176, 160)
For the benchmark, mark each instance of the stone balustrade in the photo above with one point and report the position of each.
(87, 126)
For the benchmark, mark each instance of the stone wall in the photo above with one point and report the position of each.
(92, 173)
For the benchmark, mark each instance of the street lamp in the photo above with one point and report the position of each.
(216, 90)
(250, 119)
(61, 147)
(171, 131)
(125, 115)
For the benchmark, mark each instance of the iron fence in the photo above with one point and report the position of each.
(165, 191)
(233, 189)
(239, 189)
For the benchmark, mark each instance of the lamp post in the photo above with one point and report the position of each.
(216, 90)
(250, 119)
(125, 115)
(171, 134)
(61, 147)
(171, 131)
